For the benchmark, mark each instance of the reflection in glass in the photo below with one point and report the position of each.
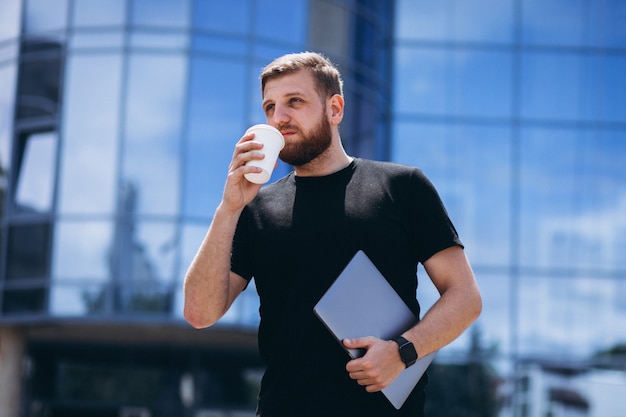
(160, 13)
(570, 316)
(89, 159)
(292, 27)
(143, 266)
(9, 20)
(45, 15)
(74, 300)
(550, 92)
(216, 111)
(475, 21)
(28, 250)
(556, 22)
(153, 131)
(7, 80)
(89, 40)
(35, 181)
(422, 75)
(603, 90)
(82, 250)
(573, 198)
(222, 15)
(142, 39)
(94, 13)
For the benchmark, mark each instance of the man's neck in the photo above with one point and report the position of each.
(329, 162)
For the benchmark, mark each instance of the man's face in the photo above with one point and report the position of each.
(292, 105)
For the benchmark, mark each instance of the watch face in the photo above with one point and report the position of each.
(408, 353)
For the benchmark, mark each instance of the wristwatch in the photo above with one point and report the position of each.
(408, 354)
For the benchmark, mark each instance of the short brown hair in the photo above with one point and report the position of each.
(326, 75)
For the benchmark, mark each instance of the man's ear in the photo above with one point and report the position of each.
(336, 109)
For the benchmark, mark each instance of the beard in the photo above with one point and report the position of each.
(311, 145)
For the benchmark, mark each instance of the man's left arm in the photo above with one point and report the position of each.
(459, 306)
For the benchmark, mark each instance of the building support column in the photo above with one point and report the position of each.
(11, 357)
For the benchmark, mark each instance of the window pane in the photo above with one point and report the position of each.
(7, 100)
(72, 300)
(603, 96)
(144, 266)
(160, 13)
(216, 111)
(573, 198)
(293, 22)
(45, 15)
(420, 80)
(35, 180)
(469, 166)
(461, 20)
(9, 19)
(28, 251)
(99, 13)
(549, 91)
(572, 316)
(482, 83)
(555, 22)
(222, 15)
(153, 132)
(89, 159)
(606, 20)
(82, 250)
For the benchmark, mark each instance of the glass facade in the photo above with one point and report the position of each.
(516, 111)
(118, 118)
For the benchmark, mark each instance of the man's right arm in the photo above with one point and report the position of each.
(210, 287)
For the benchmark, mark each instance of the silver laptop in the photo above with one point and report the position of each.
(362, 303)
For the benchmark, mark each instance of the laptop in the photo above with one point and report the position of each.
(362, 303)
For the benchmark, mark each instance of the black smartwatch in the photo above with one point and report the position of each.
(408, 354)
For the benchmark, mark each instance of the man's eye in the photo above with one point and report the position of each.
(269, 107)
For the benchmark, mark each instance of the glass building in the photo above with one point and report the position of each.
(117, 123)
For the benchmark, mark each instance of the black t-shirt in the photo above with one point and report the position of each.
(295, 238)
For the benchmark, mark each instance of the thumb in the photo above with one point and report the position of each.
(358, 343)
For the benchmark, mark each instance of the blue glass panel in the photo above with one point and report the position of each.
(272, 20)
(460, 82)
(89, 160)
(9, 19)
(220, 45)
(153, 131)
(420, 80)
(166, 13)
(8, 77)
(603, 96)
(216, 122)
(95, 13)
(45, 15)
(222, 15)
(456, 20)
(573, 198)
(571, 316)
(555, 22)
(96, 40)
(82, 251)
(606, 26)
(481, 84)
(551, 86)
(156, 40)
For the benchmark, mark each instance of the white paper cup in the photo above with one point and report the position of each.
(273, 142)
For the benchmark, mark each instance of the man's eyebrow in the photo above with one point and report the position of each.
(287, 95)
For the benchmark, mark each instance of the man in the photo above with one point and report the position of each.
(296, 235)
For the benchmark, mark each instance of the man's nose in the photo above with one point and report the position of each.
(280, 115)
